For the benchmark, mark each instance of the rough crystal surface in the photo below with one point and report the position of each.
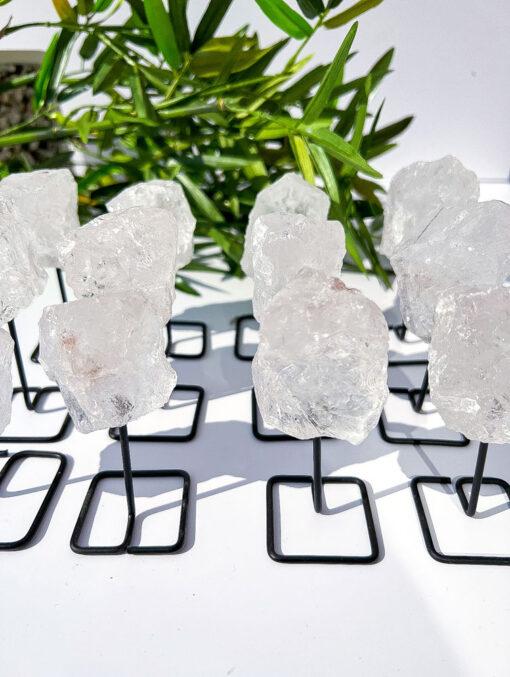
(418, 193)
(321, 365)
(165, 195)
(292, 194)
(107, 357)
(6, 351)
(284, 243)
(47, 199)
(469, 370)
(463, 246)
(130, 250)
(21, 278)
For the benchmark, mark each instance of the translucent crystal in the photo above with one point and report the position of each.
(130, 250)
(47, 199)
(469, 370)
(291, 194)
(418, 193)
(284, 243)
(321, 365)
(166, 195)
(107, 356)
(6, 350)
(21, 278)
(462, 246)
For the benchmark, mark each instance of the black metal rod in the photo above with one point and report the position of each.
(317, 475)
(128, 473)
(61, 285)
(169, 335)
(477, 479)
(21, 369)
(420, 397)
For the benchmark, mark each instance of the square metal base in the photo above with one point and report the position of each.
(18, 458)
(410, 394)
(202, 327)
(40, 393)
(320, 559)
(125, 546)
(238, 342)
(114, 432)
(434, 552)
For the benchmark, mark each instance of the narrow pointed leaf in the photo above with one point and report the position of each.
(351, 13)
(285, 18)
(52, 67)
(338, 148)
(143, 105)
(177, 11)
(65, 11)
(210, 21)
(300, 150)
(163, 32)
(311, 8)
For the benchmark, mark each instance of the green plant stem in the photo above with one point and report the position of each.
(319, 23)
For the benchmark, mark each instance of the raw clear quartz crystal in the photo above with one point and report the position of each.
(321, 365)
(21, 278)
(284, 243)
(291, 194)
(107, 357)
(129, 250)
(463, 246)
(165, 195)
(418, 193)
(469, 362)
(6, 351)
(47, 200)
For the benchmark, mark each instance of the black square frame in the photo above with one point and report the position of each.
(40, 393)
(238, 341)
(201, 326)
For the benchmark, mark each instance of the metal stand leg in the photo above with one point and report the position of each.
(127, 474)
(32, 404)
(469, 508)
(238, 342)
(170, 352)
(317, 482)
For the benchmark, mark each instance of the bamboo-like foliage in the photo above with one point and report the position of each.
(211, 112)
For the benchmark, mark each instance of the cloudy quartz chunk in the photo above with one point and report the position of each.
(321, 365)
(167, 195)
(469, 370)
(107, 357)
(129, 250)
(6, 351)
(291, 194)
(418, 193)
(47, 200)
(284, 243)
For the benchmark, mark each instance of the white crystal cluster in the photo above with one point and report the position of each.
(167, 195)
(321, 365)
(469, 357)
(107, 356)
(47, 201)
(6, 351)
(132, 249)
(283, 244)
(291, 194)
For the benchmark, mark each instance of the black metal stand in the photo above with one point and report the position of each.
(187, 437)
(416, 397)
(63, 295)
(201, 326)
(238, 342)
(32, 404)
(469, 507)
(128, 474)
(17, 459)
(400, 331)
(317, 482)
(264, 437)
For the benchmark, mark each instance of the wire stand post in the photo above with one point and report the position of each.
(416, 397)
(469, 507)
(32, 404)
(317, 482)
(127, 474)
(238, 341)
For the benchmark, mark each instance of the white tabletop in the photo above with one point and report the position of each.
(222, 606)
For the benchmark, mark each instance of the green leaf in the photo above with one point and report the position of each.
(65, 11)
(4, 2)
(333, 3)
(351, 13)
(108, 73)
(311, 8)
(182, 285)
(338, 148)
(300, 151)
(323, 94)
(163, 32)
(84, 124)
(285, 18)
(231, 244)
(143, 104)
(90, 44)
(102, 5)
(210, 21)
(204, 203)
(301, 88)
(177, 11)
(85, 7)
(52, 67)
(323, 164)
(390, 131)
(215, 57)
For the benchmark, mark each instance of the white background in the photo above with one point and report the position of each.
(451, 70)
